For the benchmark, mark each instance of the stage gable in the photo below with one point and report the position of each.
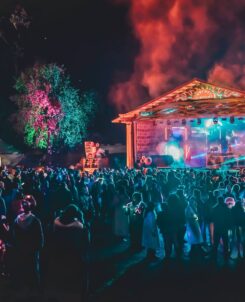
(196, 98)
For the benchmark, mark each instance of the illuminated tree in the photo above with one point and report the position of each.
(52, 114)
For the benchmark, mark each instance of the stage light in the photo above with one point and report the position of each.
(168, 110)
(215, 120)
(174, 150)
(199, 155)
(208, 123)
(146, 113)
(232, 119)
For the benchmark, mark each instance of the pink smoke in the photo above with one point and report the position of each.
(178, 40)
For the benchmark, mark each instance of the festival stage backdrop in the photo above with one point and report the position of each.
(194, 143)
(198, 124)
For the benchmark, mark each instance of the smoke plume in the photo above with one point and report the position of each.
(179, 40)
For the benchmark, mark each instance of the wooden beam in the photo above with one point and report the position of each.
(130, 144)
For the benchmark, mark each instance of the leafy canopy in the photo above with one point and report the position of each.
(51, 112)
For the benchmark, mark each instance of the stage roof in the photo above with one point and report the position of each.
(194, 99)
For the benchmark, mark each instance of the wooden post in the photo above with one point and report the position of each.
(130, 144)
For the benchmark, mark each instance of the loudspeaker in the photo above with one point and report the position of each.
(162, 160)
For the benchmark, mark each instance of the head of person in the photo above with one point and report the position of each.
(137, 197)
(26, 206)
(31, 200)
(230, 202)
(3, 219)
(221, 185)
(70, 214)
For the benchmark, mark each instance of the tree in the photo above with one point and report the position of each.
(12, 31)
(51, 113)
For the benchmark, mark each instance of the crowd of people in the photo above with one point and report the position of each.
(152, 209)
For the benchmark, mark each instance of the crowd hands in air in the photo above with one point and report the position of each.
(159, 210)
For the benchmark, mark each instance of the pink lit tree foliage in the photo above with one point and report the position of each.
(51, 112)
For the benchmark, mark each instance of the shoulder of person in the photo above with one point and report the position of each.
(74, 224)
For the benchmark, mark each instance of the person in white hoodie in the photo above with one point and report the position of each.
(28, 242)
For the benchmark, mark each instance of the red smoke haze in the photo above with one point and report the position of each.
(181, 39)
